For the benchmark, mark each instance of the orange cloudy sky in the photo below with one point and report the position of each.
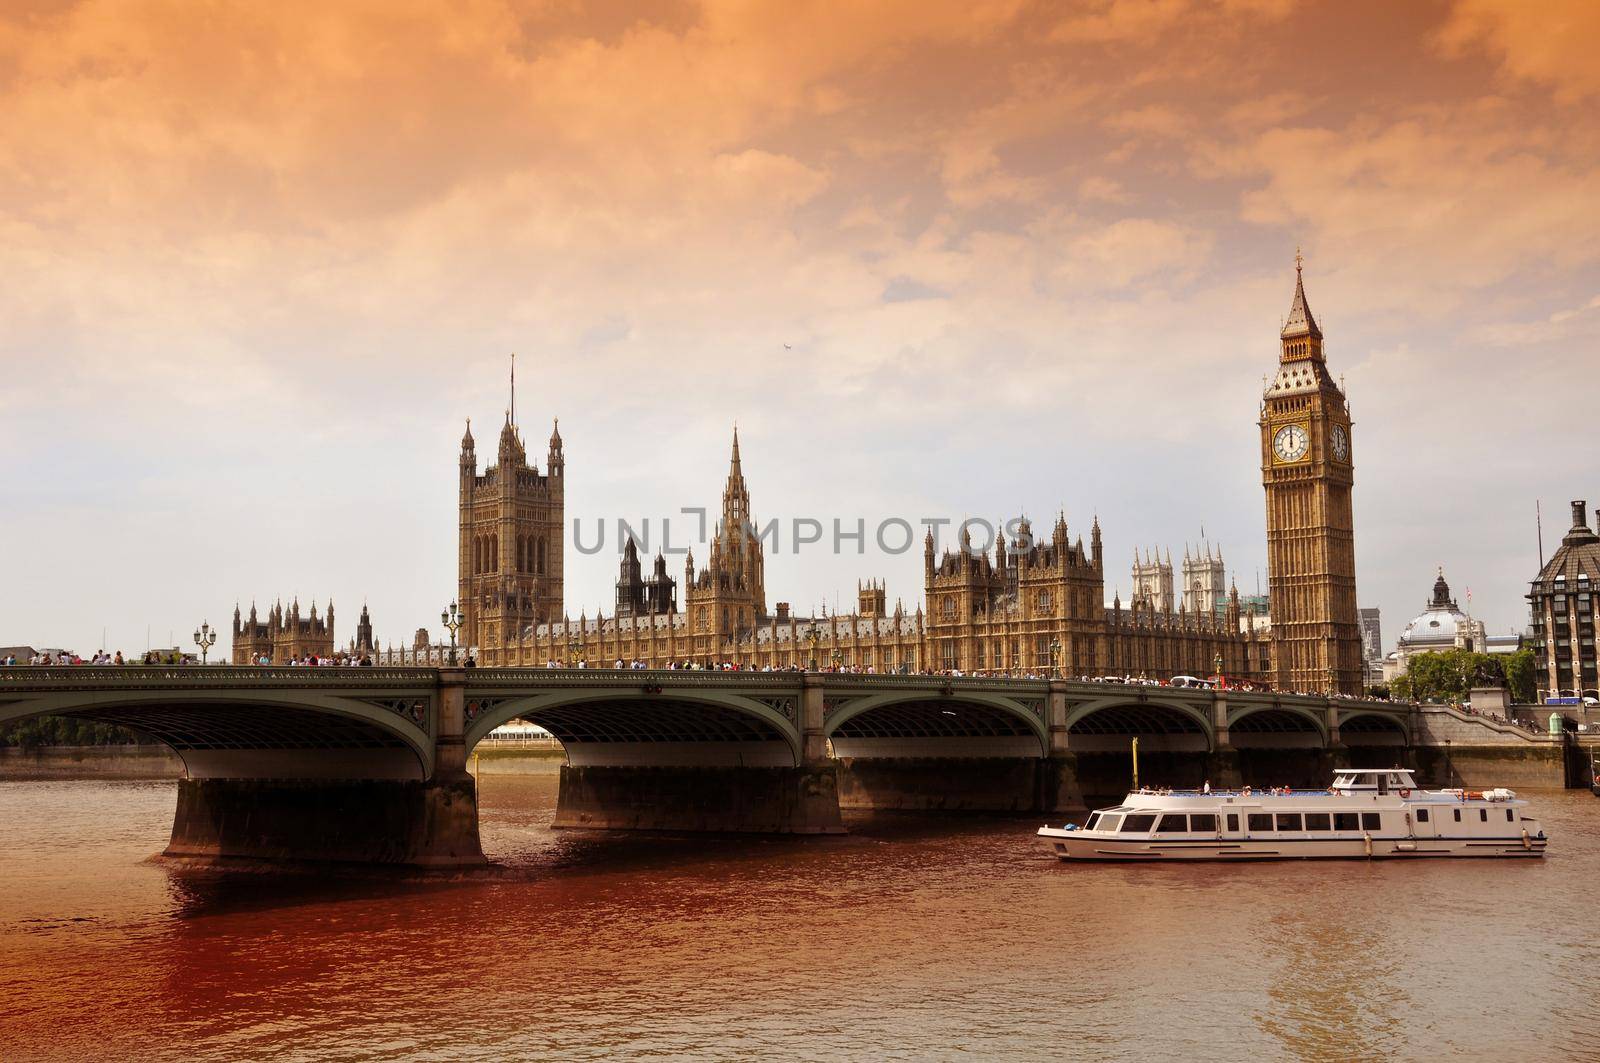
(261, 260)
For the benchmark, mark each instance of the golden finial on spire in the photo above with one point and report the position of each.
(1299, 259)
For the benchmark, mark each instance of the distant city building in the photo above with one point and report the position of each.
(284, 635)
(1205, 581)
(1372, 644)
(1443, 626)
(1152, 582)
(1562, 606)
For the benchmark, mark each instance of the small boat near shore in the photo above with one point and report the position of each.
(1366, 814)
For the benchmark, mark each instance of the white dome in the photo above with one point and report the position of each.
(1433, 626)
(1437, 624)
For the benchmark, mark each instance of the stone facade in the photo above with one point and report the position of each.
(1205, 580)
(511, 538)
(1152, 581)
(1029, 605)
(1306, 468)
(284, 635)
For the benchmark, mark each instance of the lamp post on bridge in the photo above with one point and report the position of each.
(836, 657)
(205, 638)
(813, 645)
(451, 619)
(1055, 657)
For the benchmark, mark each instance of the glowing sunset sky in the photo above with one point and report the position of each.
(262, 260)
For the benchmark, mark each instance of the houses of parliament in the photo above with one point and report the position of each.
(1035, 602)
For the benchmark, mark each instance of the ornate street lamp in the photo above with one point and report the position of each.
(1055, 657)
(451, 619)
(836, 657)
(574, 644)
(1216, 664)
(813, 646)
(205, 638)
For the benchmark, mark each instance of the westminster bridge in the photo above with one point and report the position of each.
(370, 764)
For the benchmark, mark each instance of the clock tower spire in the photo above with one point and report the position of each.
(1307, 473)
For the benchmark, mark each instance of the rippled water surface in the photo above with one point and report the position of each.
(912, 938)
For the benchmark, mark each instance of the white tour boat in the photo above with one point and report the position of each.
(1365, 813)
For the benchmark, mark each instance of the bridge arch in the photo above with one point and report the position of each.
(1372, 727)
(912, 723)
(630, 726)
(241, 733)
(1277, 724)
(1175, 724)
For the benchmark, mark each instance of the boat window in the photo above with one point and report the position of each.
(1170, 822)
(1458, 815)
(1233, 822)
(1422, 815)
(1371, 821)
(1318, 821)
(1346, 821)
(1137, 824)
(1483, 815)
(1260, 821)
(1288, 821)
(1510, 817)
(1092, 819)
(1108, 823)
(1206, 822)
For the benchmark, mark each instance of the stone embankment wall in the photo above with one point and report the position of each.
(90, 762)
(515, 759)
(1461, 749)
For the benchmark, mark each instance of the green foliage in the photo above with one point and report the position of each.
(1521, 677)
(1448, 675)
(60, 731)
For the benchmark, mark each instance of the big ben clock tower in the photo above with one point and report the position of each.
(1306, 469)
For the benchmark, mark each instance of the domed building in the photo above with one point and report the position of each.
(1562, 602)
(1443, 626)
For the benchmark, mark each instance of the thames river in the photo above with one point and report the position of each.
(911, 938)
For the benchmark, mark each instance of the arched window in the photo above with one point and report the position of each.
(520, 557)
(541, 555)
(494, 553)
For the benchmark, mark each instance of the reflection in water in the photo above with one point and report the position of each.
(911, 938)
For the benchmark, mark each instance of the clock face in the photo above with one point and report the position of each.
(1291, 443)
(1341, 443)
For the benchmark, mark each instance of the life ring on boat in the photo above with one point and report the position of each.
(1405, 793)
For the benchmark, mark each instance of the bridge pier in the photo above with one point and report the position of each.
(432, 823)
(728, 796)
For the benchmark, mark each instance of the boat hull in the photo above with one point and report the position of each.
(1073, 846)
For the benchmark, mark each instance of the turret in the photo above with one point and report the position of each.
(1094, 541)
(557, 460)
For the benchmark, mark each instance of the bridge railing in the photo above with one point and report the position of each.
(136, 675)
